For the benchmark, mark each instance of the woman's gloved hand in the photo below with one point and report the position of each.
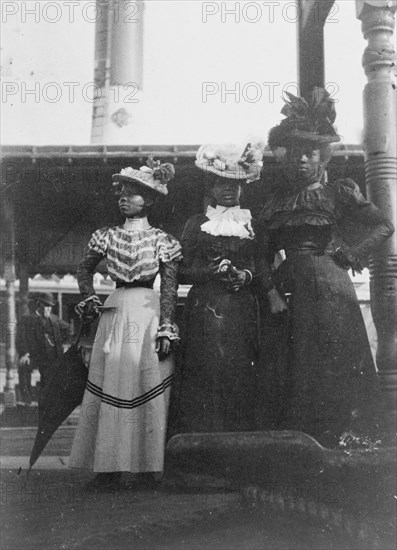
(346, 260)
(212, 270)
(277, 304)
(88, 309)
(24, 361)
(235, 280)
(163, 347)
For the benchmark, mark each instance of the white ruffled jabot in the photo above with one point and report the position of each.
(136, 224)
(228, 222)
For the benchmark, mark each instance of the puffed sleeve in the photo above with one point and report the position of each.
(170, 256)
(168, 248)
(99, 241)
(97, 248)
(362, 225)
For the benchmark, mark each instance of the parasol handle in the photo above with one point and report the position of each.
(83, 323)
(79, 333)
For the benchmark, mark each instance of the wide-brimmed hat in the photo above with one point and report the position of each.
(154, 176)
(308, 119)
(232, 161)
(46, 299)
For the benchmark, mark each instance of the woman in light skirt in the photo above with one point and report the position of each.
(122, 425)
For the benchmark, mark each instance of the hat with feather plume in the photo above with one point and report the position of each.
(308, 118)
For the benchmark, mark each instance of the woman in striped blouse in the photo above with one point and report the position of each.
(122, 424)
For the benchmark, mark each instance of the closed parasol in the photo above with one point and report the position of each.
(63, 393)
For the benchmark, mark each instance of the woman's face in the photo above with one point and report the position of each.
(302, 163)
(132, 201)
(226, 192)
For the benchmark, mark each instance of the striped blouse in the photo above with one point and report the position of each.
(134, 253)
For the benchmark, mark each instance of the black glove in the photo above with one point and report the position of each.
(88, 309)
(346, 260)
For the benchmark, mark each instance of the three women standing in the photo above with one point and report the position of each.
(320, 377)
(123, 418)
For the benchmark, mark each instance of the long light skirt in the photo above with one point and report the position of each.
(123, 419)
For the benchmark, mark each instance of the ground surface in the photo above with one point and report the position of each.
(49, 509)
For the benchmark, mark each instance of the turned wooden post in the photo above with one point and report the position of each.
(310, 38)
(378, 22)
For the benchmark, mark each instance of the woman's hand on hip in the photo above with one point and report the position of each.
(163, 347)
(277, 304)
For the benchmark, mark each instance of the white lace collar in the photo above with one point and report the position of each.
(228, 222)
(136, 224)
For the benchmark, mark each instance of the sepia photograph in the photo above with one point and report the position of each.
(198, 282)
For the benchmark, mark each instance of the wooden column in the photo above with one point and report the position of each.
(9, 276)
(310, 37)
(378, 22)
(23, 294)
(60, 305)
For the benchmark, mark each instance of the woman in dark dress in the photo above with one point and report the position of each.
(321, 376)
(215, 385)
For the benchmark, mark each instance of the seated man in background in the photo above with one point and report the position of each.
(40, 336)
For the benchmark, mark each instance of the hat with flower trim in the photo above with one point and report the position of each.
(154, 176)
(232, 161)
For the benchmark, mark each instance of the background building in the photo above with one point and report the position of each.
(91, 87)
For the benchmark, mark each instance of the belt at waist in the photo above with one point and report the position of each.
(301, 250)
(135, 284)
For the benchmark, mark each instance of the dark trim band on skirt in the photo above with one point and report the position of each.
(129, 403)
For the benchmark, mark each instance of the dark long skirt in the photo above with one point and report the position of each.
(216, 378)
(320, 376)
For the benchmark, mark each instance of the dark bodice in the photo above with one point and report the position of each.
(321, 206)
(322, 219)
(201, 248)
